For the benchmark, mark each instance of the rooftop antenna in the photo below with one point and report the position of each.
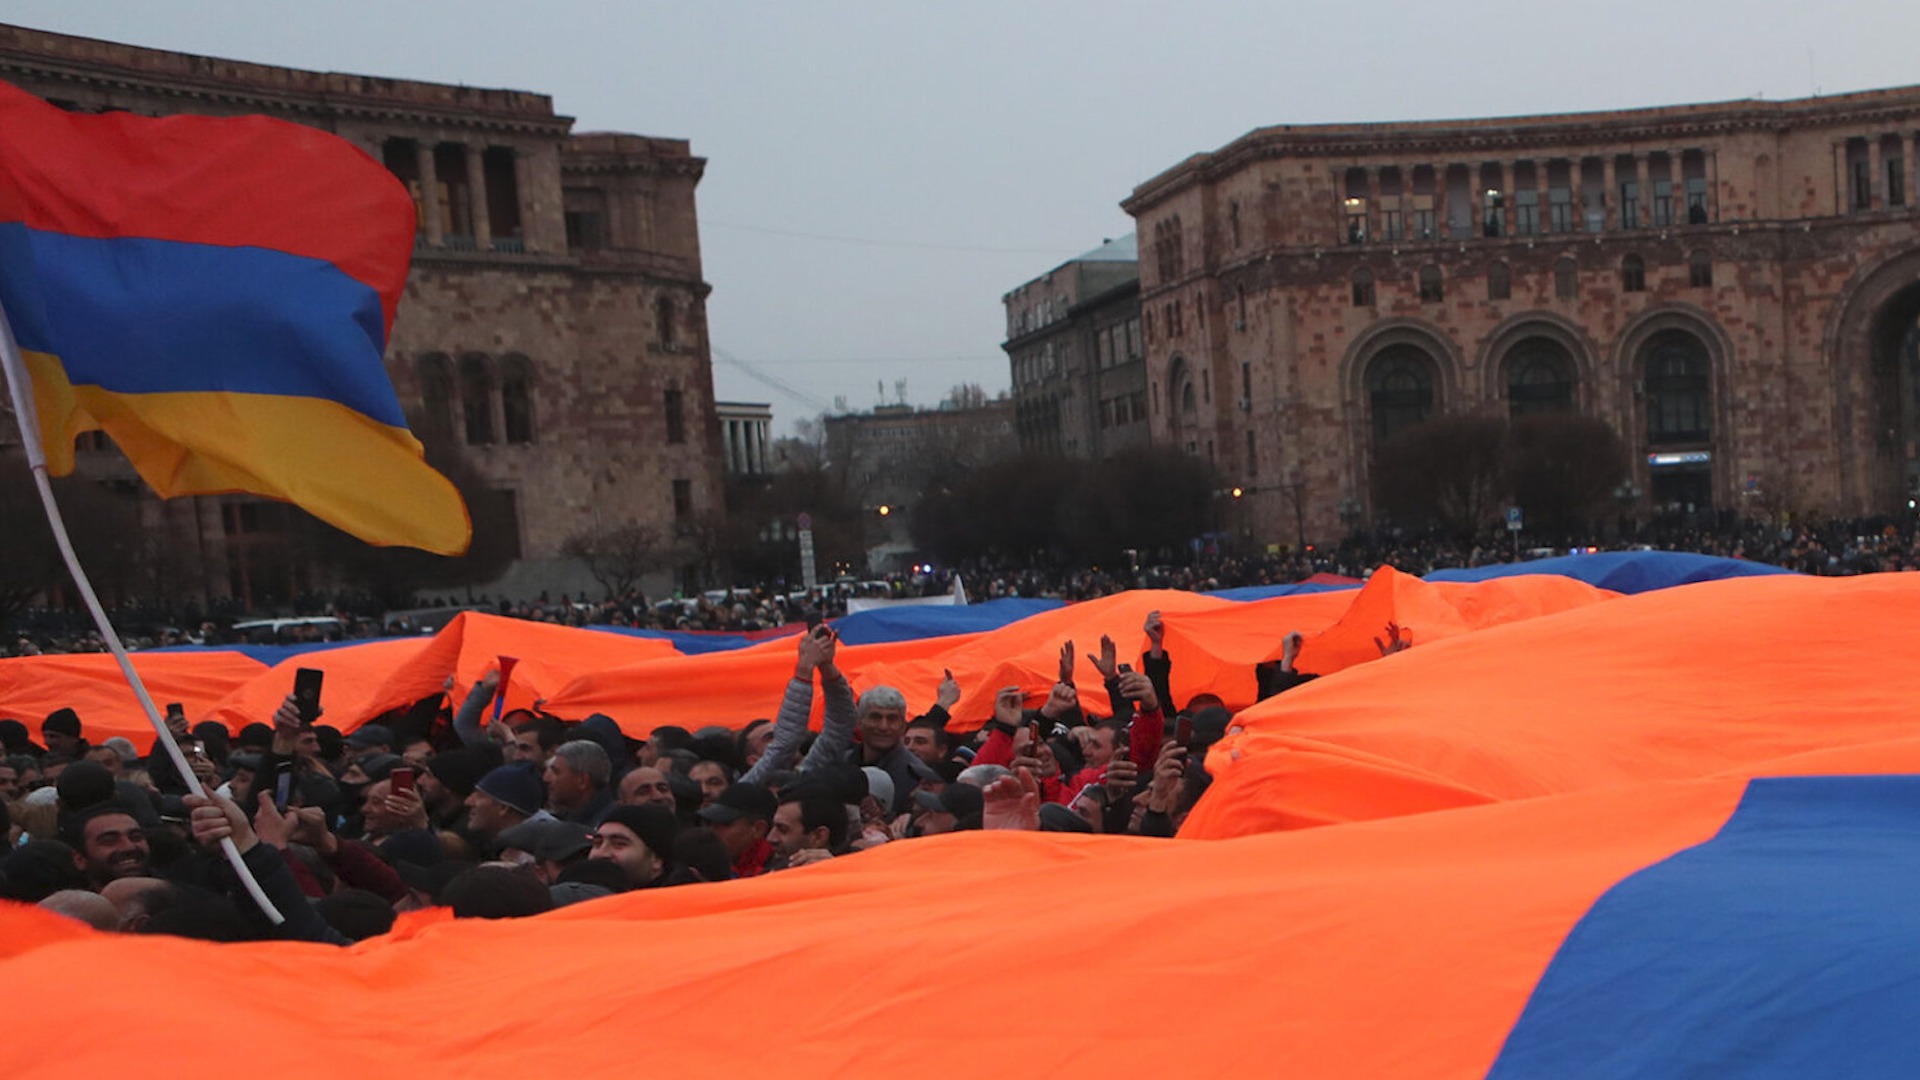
(900, 391)
(880, 391)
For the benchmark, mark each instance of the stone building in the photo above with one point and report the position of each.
(1733, 287)
(554, 322)
(896, 453)
(1077, 358)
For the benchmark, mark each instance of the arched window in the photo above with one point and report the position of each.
(1566, 279)
(436, 397)
(1499, 282)
(1679, 389)
(1363, 287)
(1700, 270)
(1633, 274)
(1432, 291)
(1539, 378)
(1399, 389)
(476, 399)
(516, 398)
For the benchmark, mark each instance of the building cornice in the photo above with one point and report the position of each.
(1440, 141)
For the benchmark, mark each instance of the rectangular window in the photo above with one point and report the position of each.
(1560, 210)
(1630, 204)
(1133, 339)
(1526, 213)
(1103, 349)
(676, 417)
(1390, 223)
(1662, 203)
(682, 501)
(1862, 185)
(1697, 201)
(1493, 219)
(1423, 224)
(1253, 459)
(1896, 182)
(1246, 380)
(1356, 220)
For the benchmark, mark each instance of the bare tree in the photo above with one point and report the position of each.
(619, 556)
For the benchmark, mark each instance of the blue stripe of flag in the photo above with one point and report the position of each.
(1788, 946)
(141, 316)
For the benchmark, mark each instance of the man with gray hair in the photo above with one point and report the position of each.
(880, 718)
(577, 782)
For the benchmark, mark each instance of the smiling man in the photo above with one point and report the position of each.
(880, 721)
(108, 844)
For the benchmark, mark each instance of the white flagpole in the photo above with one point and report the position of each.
(19, 384)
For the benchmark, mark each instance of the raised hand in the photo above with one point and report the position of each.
(1168, 768)
(1397, 640)
(1007, 706)
(1156, 632)
(1108, 661)
(1136, 686)
(1066, 662)
(1122, 777)
(1062, 700)
(949, 693)
(1012, 802)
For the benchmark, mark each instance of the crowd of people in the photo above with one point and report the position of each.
(495, 814)
(1835, 547)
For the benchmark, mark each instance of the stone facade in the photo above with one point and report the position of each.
(1733, 287)
(1075, 350)
(554, 320)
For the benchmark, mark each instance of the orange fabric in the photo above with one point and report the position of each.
(91, 685)
(1401, 948)
(366, 680)
(1734, 677)
(1428, 611)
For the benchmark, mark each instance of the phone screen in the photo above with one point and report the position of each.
(1183, 731)
(401, 779)
(282, 785)
(306, 693)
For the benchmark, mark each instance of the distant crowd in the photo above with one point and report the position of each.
(1835, 547)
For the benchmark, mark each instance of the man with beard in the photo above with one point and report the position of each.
(107, 844)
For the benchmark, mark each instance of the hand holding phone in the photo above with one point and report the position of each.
(306, 694)
(401, 779)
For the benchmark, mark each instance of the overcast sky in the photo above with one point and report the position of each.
(880, 173)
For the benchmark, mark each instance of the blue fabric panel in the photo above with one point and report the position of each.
(1787, 946)
(911, 623)
(1622, 571)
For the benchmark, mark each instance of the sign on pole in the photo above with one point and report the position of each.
(809, 574)
(1513, 519)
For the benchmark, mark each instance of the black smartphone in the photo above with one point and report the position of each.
(176, 709)
(1123, 669)
(306, 694)
(1183, 732)
(282, 785)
